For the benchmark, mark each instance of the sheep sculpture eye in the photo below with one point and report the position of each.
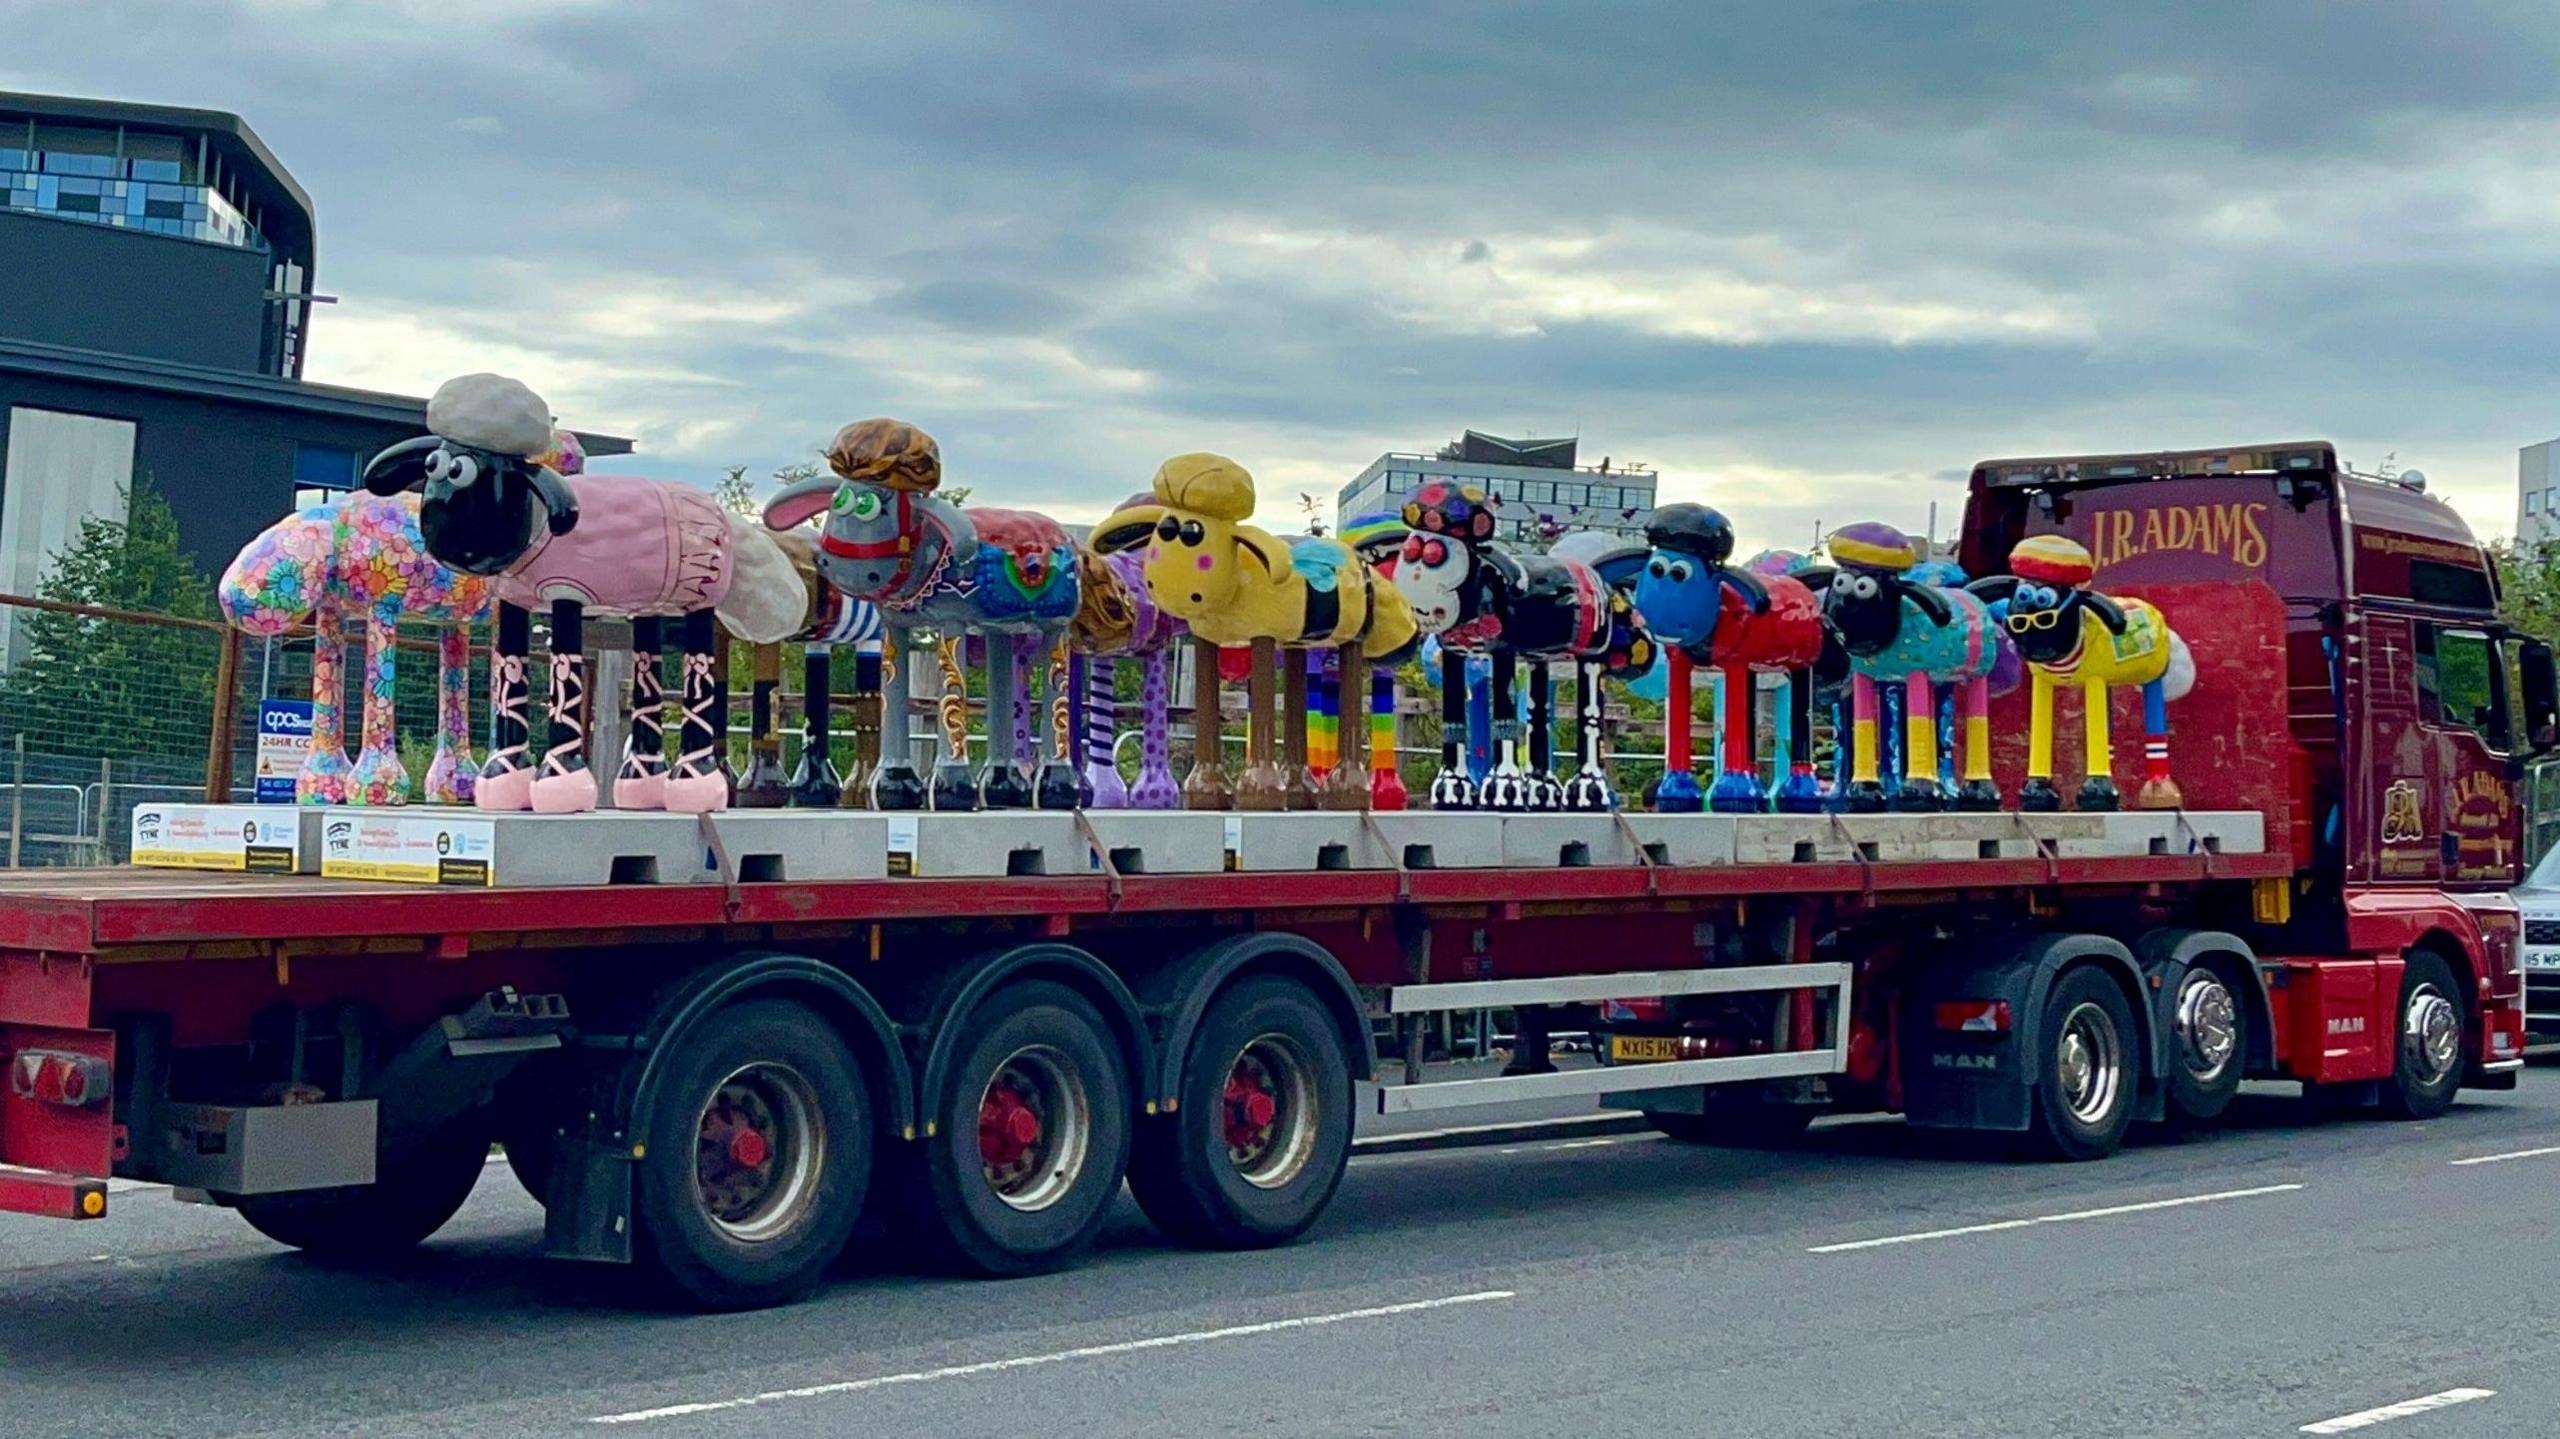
(1680, 572)
(866, 506)
(465, 470)
(1865, 587)
(439, 463)
(1657, 568)
(1844, 584)
(1192, 533)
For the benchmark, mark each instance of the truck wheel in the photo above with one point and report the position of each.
(758, 1158)
(414, 1193)
(1255, 1148)
(2426, 1065)
(1031, 1135)
(2204, 1051)
(2084, 1094)
(1735, 1120)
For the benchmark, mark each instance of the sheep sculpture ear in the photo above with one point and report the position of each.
(2109, 613)
(797, 502)
(401, 467)
(1747, 585)
(1124, 529)
(1931, 603)
(1816, 578)
(1992, 589)
(559, 505)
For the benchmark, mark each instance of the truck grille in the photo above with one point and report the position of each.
(2542, 931)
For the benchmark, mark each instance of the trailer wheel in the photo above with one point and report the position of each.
(2085, 1090)
(413, 1194)
(1254, 1149)
(758, 1157)
(2426, 1065)
(1029, 1136)
(2205, 1048)
(1735, 1121)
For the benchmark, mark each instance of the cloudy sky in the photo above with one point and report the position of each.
(1810, 260)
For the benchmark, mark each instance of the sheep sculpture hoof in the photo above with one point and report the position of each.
(569, 792)
(506, 789)
(697, 794)
(645, 791)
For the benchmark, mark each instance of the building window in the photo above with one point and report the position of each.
(2533, 502)
(61, 469)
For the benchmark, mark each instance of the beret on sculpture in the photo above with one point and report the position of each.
(1205, 484)
(1873, 545)
(1691, 530)
(887, 452)
(491, 412)
(2052, 560)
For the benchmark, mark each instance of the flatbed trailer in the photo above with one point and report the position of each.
(711, 1058)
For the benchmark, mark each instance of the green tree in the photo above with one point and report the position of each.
(117, 689)
(2529, 585)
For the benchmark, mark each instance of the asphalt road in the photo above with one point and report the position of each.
(2286, 1272)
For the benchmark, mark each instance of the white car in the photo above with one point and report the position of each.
(2539, 897)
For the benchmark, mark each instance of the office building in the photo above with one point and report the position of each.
(2537, 493)
(159, 266)
(1543, 492)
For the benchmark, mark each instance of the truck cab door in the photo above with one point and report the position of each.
(2466, 707)
(2393, 816)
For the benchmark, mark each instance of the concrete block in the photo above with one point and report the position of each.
(1143, 841)
(1687, 838)
(1304, 840)
(803, 845)
(986, 844)
(1566, 840)
(1427, 839)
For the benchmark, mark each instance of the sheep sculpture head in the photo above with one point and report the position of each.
(487, 492)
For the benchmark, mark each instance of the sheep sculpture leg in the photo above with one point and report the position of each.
(697, 785)
(1100, 678)
(2038, 795)
(1589, 791)
(378, 777)
(895, 785)
(1978, 791)
(1155, 788)
(1546, 792)
(1800, 792)
(2158, 790)
(451, 775)
(325, 772)
(1345, 785)
(1206, 787)
(953, 786)
(764, 786)
(1386, 782)
(1678, 793)
(1506, 787)
(1920, 791)
(1001, 782)
(564, 784)
(1057, 784)
(1297, 779)
(815, 784)
(1262, 786)
(506, 781)
(862, 717)
(1738, 789)
(640, 781)
(1451, 788)
(2098, 789)
(1866, 791)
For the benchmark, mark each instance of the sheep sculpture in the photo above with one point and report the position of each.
(1235, 584)
(1711, 611)
(502, 498)
(363, 556)
(1896, 630)
(2069, 633)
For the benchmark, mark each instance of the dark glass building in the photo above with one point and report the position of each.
(156, 271)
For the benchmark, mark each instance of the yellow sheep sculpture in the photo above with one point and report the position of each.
(1235, 584)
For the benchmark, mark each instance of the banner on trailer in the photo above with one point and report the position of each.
(217, 836)
(410, 849)
(284, 742)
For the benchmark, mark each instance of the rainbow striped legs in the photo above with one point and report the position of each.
(1386, 782)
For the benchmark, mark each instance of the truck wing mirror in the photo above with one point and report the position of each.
(2541, 697)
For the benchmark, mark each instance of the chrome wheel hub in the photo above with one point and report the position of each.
(2208, 1026)
(2088, 1063)
(2431, 1034)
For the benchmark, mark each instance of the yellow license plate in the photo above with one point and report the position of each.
(1642, 1048)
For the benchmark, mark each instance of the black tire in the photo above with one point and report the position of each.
(1736, 1120)
(2208, 1047)
(758, 1158)
(1036, 1209)
(414, 1194)
(1262, 1037)
(2088, 1068)
(2430, 1033)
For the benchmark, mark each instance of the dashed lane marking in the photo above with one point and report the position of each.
(2109, 1212)
(2367, 1418)
(1031, 1361)
(2510, 1154)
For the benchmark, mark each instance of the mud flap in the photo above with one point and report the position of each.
(1976, 1073)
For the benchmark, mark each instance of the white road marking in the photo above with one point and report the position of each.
(2402, 1410)
(2511, 1154)
(2108, 1212)
(1030, 1361)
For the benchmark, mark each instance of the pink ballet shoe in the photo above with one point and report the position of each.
(572, 792)
(697, 794)
(505, 790)
(640, 791)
